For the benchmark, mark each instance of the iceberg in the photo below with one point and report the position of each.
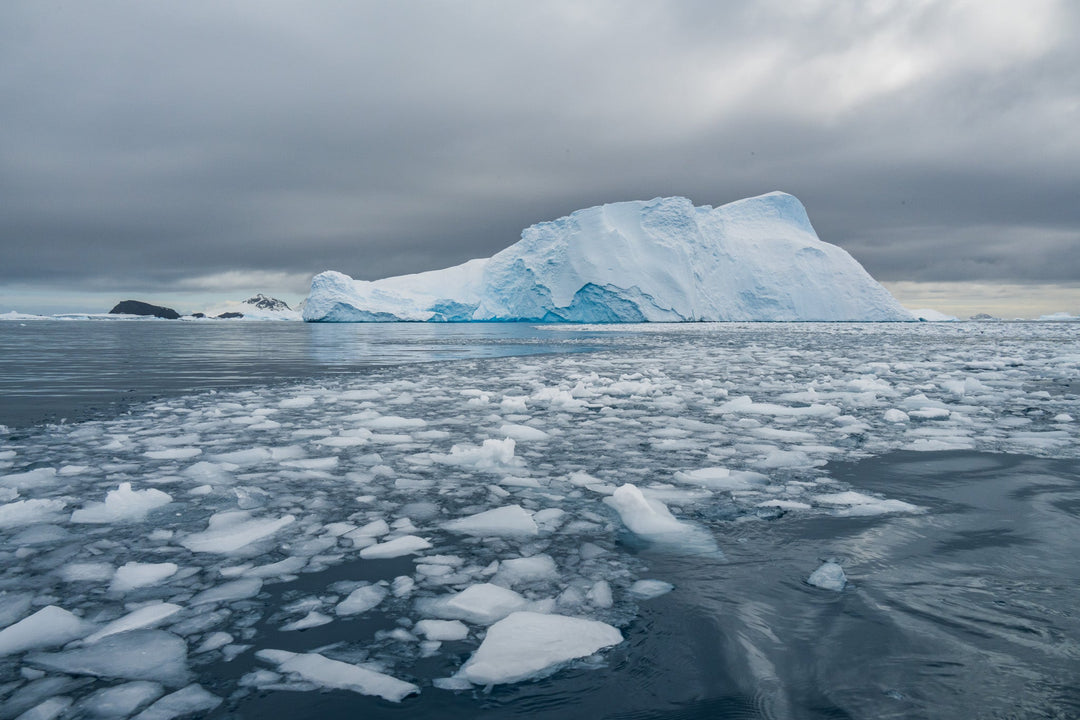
(662, 260)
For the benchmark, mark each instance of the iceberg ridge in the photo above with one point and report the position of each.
(662, 260)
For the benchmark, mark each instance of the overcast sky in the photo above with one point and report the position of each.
(189, 150)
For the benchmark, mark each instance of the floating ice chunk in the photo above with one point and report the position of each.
(1063, 418)
(512, 520)
(227, 592)
(312, 619)
(136, 655)
(48, 627)
(186, 701)
(402, 585)
(361, 600)
(281, 568)
(323, 463)
(744, 405)
(516, 571)
(894, 415)
(442, 630)
(135, 575)
(930, 413)
(649, 589)
(523, 433)
(777, 458)
(491, 455)
(41, 477)
(526, 644)
(393, 422)
(251, 456)
(13, 606)
(49, 709)
(300, 401)
(480, 604)
(600, 594)
(173, 453)
(231, 532)
(120, 701)
(404, 545)
(324, 672)
(214, 641)
(145, 617)
(650, 519)
(29, 512)
(855, 504)
(830, 576)
(122, 504)
(375, 528)
(721, 478)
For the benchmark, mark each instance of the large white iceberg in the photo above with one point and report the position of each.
(664, 260)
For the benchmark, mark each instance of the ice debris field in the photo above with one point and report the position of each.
(481, 509)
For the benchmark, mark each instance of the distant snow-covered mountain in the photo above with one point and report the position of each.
(259, 307)
(663, 260)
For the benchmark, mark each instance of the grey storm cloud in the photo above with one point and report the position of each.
(175, 141)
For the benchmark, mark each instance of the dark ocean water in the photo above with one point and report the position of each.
(968, 609)
(73, 370)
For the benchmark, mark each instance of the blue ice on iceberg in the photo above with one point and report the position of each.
(662, 260)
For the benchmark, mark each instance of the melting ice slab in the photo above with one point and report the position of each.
(526, 644)
(658, 261)
(323, 671)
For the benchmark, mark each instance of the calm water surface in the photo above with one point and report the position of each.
(967, 610)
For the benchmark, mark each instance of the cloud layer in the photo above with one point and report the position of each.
(179, 143)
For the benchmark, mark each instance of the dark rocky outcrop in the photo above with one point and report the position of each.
(136, 307)
(267, 303)
(229, 316)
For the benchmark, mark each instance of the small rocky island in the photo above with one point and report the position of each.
(137, 307)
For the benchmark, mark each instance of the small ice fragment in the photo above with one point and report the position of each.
(312, 619)
(50, 709)
(48, 627)
(361, 600)
(231, 532)
(144, 617)
(29, 512)
(13, 606)
(491, 455)
(528, 569)
(328, 673)
(523, 433)
(442, 630)
(122, 505)
(649, 589)
(480, 604)
(227, 592)
(136, 655)
(509, 520)
(135, 575)
(404, 545)
(526, 644)
(721, 478)
(187, 701)
(214, 641)
(652, 520)
(855, 504)
(120, 701)
(894, 415)
(829, 576)
(600, 594)
(402, 585)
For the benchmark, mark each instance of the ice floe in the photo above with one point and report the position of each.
(526, 644)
